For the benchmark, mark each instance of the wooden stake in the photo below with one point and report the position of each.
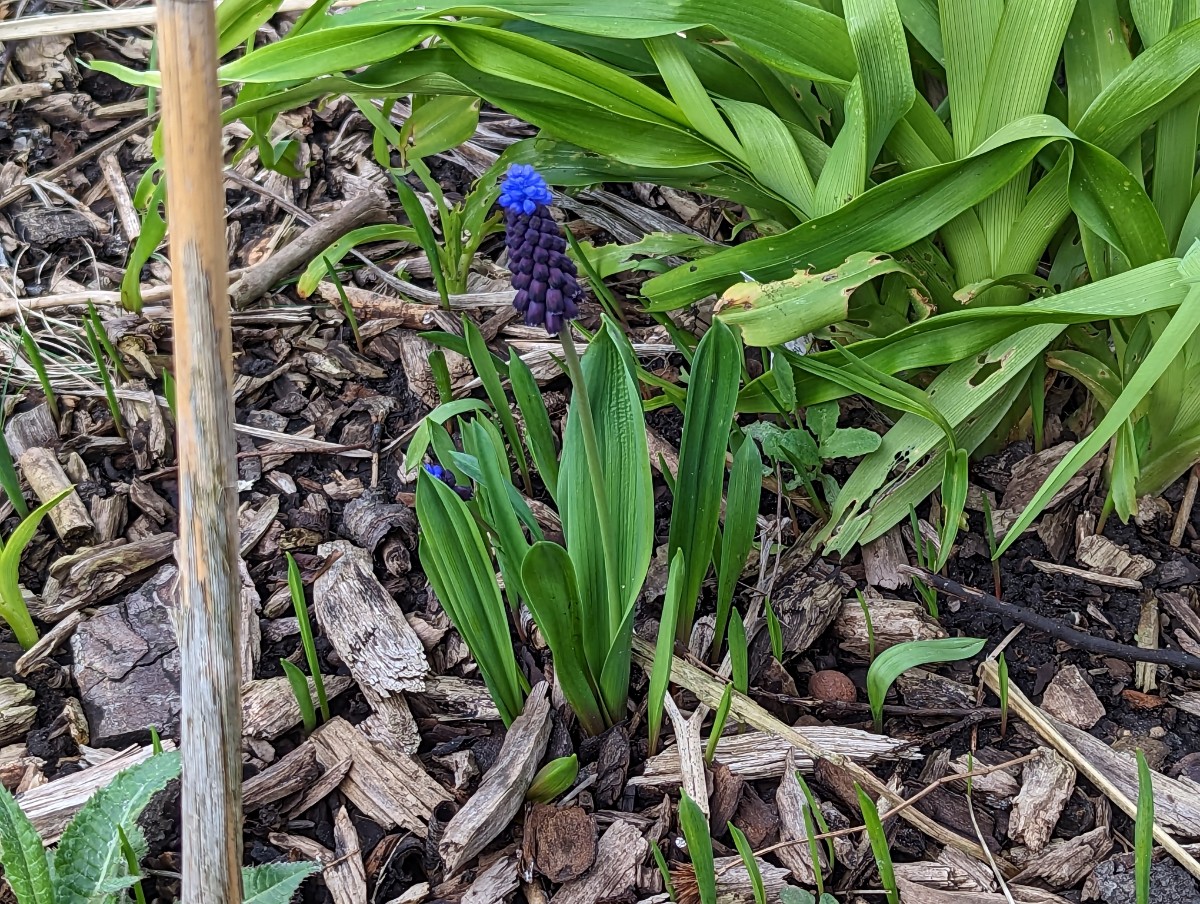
(207, 550)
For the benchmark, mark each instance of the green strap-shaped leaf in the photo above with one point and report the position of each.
(538, 433)
(664, 650)
(895, 661)
(910, 207)
(708, 413)
(457, 564)
(88, 855)
(553, 598)
(694, 824)
(741, 520)
(22, 854)
(625, 459)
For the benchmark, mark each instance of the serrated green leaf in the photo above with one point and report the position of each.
(25, 860)
(275, 883)
(88, 855)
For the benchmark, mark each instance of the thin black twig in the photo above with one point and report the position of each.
(1053, 627)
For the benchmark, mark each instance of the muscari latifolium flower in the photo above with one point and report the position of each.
(445, 476)
(546, 281)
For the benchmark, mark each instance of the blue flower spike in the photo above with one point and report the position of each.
(437, 472)
(546, 280)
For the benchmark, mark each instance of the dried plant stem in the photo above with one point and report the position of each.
(207, 553)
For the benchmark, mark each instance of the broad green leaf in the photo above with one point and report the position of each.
(1183, 324)
(316, 270)
(495, 500)
(741, 520)
(688, 92)
(708, 413)
(896, 660)
(739, 655)
(553, 598)
(968, 31)
(664, 649)
(25, 860)
(694, 825)
(461, 574)
(274, 883)
(421, 438)
(553, 779)
(439, 124)
(88, 855)
(910, 207)
(879, 844)
(1143, 832)
(300, 690)
(621, 436)
(773, 313)
(12, 602)
(851, 442)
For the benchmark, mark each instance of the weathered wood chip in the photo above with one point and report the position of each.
(1103, 555)
(790, 801)
(757, 755)
(880, 558)
(563, 841)
(322, 787)
(1063, 864)
(389, 787)
(270, 708)
(17, 710)
(96, 574)
(912, 893)
(1048, 781)
(494, 884)
(365, 626)
(1069, 698)
(346, 877)
(502, 791)
(689, 755)
(292, 774)
(892, 621)
(733, 881)
(618, 855)
(47, 479)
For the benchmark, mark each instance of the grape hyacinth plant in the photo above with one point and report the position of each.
(546, 280)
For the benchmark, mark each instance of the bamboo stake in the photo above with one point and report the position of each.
(207, 555)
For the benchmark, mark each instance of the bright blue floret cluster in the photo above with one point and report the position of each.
(546, 281)
(524, 190)
(445, 476)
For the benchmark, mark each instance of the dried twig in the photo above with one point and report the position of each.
(1054, 628)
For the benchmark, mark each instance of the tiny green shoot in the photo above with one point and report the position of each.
(296, 589)
(739, 655)
(1143, 832)
(663, 870)
(879, 845)
(775, 630)
(347, 308)
(718, 726)
(34, 353)
(1002, 681)
(102, 366)
(747, 854)
(169, 393)
(299, 683)
(131, 864)
(866, 611)
(694, 824)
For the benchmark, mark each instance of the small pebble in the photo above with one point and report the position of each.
(832, 686)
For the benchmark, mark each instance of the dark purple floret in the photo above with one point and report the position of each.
(546, 280)
(446, 477)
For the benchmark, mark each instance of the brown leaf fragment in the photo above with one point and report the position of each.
(725, 797)
(619, 853)
(502, 791)
(563, 841)
(1048, 781)
(1071, 699)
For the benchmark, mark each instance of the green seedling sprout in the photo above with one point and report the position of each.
(102, 366)
(13, 609)
(34, 353)
(1143, 832)
(879, 845)
(307, 641)
(718, 726)
(347, 308)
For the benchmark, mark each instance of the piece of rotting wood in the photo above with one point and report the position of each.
(502, 791)
(47, 479)
(207, 554)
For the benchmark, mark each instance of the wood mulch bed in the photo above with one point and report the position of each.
(413, 791)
